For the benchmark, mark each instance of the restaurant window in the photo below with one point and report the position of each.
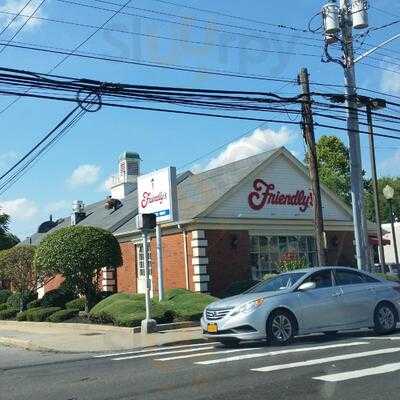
(266, 252)
(140, 259)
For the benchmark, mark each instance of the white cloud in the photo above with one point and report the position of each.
(388, 166)
(19, 209)
(259, 141)
(15, 7)
(84, 175)
(7, 158)
(105, 186)
(390, 82)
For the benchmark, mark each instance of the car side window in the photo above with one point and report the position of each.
(322, 279)
(344, 277)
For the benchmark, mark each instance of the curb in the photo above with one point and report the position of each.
(23, 344)
(170, 326)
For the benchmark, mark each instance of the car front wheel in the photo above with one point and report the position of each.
(280, 328)
(385, 318)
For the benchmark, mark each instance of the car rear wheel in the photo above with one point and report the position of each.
(231, 342)
(385, 318)
(280, 328)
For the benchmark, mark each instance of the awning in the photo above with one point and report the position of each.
(373, 240)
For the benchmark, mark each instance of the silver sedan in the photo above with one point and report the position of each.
(305, 301)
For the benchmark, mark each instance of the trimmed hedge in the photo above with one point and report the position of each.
(4, 295)
(34, 304)
(40, 314)
(190, 306)
(9, 313)
(389, 277)
(76, 304)
(129, 310)
(3, 306)
(15, 299)
(63, 315)
(57, 298)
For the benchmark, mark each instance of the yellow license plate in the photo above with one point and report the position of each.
(212, 328)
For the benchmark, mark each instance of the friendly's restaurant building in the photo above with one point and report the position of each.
(236, 222)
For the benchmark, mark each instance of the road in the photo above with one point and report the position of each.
(349, 366)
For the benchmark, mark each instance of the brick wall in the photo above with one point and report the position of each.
(126, 275)
(173, 260)
(53, 283)
(229, 259)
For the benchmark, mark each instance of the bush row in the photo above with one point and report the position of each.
(37, 314)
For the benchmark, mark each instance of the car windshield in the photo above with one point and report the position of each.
(280, 282)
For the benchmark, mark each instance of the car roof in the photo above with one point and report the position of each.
(314, 269)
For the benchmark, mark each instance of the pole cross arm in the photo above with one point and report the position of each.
(369, 52)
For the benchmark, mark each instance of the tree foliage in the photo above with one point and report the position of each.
(16, 266)
(7, 239)
(334, 166)
(79, 253)
(384, 204)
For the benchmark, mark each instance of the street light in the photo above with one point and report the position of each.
(388, 193)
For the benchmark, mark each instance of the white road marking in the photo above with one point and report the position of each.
(206, 354)
(345, 376)
(153, 349)
(279, 352)
(326, 360)
(159, 354)
(382, 338)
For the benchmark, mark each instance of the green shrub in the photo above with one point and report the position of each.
(3, 306)
(76, 304)
(14, 300)
(190, 306)
(9, 313)
(389, 277)
(63, 315)
(129, 310)
(171, 293)
(4, 295)
(57, 298)
(34, 304)
(40, 314)
(238, 288)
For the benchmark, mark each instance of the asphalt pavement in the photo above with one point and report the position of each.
(350, 366)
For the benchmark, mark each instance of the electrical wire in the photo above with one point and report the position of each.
(15, 17)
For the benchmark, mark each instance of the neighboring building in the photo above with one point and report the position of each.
(390, 258)
(236, 223)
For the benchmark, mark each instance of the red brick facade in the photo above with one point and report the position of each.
(126, 276)
(229, 259)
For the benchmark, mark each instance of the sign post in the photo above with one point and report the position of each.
(157, 194)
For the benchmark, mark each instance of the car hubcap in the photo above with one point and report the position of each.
(386, 317)
(281, 328)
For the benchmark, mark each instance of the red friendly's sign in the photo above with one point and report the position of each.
(264, 194)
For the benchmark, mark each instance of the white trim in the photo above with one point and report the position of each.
(108, 282)
(199, 269)
(201, 287)
(199, 243)
(199, 251)
(198, 234)
(201, 278)
(200, 261)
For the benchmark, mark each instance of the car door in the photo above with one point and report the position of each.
(357, 298)
(319, 307)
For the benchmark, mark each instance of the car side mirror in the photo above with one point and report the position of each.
(307, 286)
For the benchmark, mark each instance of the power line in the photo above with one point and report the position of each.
(14, 18)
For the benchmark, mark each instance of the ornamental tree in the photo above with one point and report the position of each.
(7, 239)
(16, 266)
(79, 253)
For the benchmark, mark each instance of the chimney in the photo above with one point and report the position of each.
(78, 212)
(128, 171)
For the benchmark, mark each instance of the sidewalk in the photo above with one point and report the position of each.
(83, 338)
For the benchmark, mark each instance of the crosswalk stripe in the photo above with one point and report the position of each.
(278, 352)
(208, 353)
(361, 373)
(317, 361)
(153, 349)
(159, 354)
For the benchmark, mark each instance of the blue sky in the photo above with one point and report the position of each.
(78, 166)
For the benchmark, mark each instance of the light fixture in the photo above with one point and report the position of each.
(388, 192)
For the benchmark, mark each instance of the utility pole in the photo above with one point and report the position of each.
(342, 21)
(369, 105)
(309, 137)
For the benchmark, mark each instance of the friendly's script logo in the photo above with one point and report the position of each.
(149, 198)
(264, 194)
